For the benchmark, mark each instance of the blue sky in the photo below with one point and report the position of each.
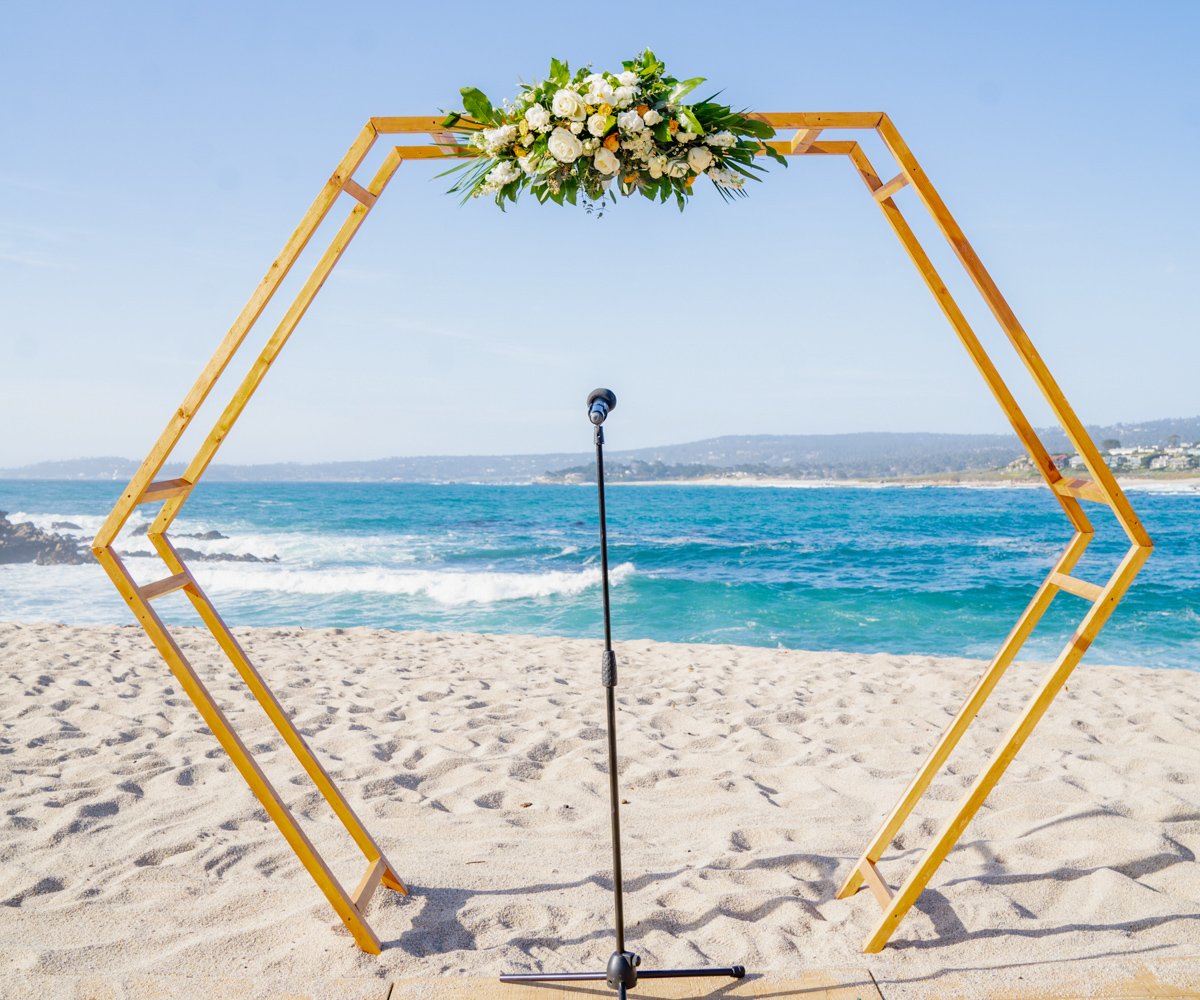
(156, 156)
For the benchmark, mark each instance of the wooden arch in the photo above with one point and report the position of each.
(808, 138)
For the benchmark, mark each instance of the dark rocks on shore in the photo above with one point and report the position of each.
(193, 555)
(65, 526)
(206, 536)
(25, 543)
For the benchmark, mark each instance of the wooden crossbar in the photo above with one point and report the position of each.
(368, 884)
(885, 191)
(356, 190)
(1101, 487)
(1076, 586)
(1081, 489)
(164, 489)
(160, 588)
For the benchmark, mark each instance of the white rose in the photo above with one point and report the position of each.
(677, 168)
(623, 96)
(627, 79)
(597, 125)
(576, 127)
(537, 116)
(606, 161)
(652, 117)
(568, 104)
(630, 121)
(722, 140)
(563, 146)
(699, 158)
(600, 93)
(591, 145)
(657, 164)
(684, 137)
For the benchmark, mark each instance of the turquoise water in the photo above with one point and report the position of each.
(942, 571)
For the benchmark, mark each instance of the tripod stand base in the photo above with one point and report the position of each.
(623, 974)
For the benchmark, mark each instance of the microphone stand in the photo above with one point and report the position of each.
(623, 970)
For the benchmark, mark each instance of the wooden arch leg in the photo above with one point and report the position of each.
(350, 907)
(1101, 488)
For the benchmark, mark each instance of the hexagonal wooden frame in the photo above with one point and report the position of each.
(805, 140)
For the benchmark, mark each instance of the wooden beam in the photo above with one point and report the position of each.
(879, 888)
(229, 740)
(164, 489)
(1067, 660)
(1081, 489)
(368, 884)
(1037, 451)
(1076, 433)
(1076, 586)
(803, 138)
(160, 588)
(885, 191)
(277, 714)
(434, 152)
(419, 124)
(212, 371)
(820, 119)
(966, 714)
(278, 339)
(356, 190)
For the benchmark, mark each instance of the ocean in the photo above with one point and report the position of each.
(913, 570)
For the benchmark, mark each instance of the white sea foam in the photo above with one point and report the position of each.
(442, 587)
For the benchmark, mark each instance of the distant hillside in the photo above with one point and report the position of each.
(870, 454)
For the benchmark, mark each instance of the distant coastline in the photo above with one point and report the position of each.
(1153, 451)
(1148, 484)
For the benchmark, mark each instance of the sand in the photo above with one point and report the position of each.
(135, 863)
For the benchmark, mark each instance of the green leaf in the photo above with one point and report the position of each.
(690, 119)
(760, 130)
(685, 87)
(662, 131)
(775, 155)
(477, 104)
(560, 73)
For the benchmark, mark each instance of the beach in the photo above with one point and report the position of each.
(136, 862)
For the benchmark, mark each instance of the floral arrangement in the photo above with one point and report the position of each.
(593, 134)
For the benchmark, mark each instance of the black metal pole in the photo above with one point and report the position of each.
(622, 972)
(608, 675)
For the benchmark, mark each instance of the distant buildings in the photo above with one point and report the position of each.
(1179, 456)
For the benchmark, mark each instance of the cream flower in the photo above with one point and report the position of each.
(684, 137)
(652, 117)
(606, 161)
(563, 146)
(568, 104)
(597, 125)
(537, 116)
(576, 127)
(699, 158)
(722, 140)
(600, 92)
(624, 96)
(627, 79)
(677, 168)
(630, 121)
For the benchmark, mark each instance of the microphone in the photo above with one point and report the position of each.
(600, 403)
